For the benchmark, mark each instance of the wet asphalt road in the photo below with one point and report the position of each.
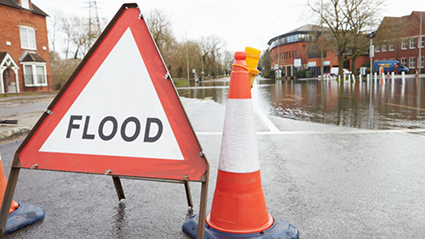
(328, 181)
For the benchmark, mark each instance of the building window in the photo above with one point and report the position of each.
(296, 53)
(391, 47)
(292, 54)
(421, 41)
(27, 38)
(421, 62)
(35, 75)
(377, 49)
(25, 4)
(411, 62)
(403, 61)
(384, 48)
(412, 43)
(404, 44)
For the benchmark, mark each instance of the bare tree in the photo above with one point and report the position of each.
(210, 47)
(54, 27)
(346, 22)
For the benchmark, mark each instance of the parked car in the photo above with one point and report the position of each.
(389, 67)
(334, 71)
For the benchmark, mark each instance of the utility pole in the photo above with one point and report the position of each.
(420, 43)
(278, 44)
(321, 40)
(187, 59)
(93, 13)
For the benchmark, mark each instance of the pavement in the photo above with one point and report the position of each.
(328, 181)
(25, 109)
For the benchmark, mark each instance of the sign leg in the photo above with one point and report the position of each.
(7, 200)
(188, 195)
(118, 187)
(203, 208)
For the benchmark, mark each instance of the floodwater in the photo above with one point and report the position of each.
(380, 104)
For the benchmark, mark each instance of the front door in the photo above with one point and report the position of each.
(9, 81)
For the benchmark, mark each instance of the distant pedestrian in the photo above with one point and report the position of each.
(395, 69)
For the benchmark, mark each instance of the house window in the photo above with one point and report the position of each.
(421, 41)
(377, 49)
(412, 43)
(296, 53)
(35, 75)
(404, 44)
(391, 46)
(25, 4)
(411, 62)
(421, 62)
(403, 61)
(27, 38)
(384, 48)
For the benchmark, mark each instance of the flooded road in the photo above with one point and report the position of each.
(383, 104)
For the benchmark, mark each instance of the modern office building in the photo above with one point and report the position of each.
(299, 45)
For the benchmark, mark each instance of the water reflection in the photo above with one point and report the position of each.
(377, 103)
(120, 221)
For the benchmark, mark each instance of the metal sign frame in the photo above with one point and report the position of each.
(16, 165)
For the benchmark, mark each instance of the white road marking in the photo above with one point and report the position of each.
(389, 131)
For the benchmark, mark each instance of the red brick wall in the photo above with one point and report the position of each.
(302, 53)
(410, 30)
(10, 19)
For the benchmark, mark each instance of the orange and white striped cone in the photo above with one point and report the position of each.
(20, 214)
(239, 208)
(239, 205)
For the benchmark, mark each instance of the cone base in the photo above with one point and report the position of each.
(279, 229)
(264, 227)
(26, 214)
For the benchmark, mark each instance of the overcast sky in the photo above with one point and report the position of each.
(237, 23)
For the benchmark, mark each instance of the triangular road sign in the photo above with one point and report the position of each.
(119, 113)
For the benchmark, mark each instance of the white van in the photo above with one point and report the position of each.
(334, 71)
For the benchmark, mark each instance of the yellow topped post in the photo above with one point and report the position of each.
(252, 58)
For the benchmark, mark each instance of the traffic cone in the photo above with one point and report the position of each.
(20, 214)
(239, 205)
(3, 184)
(239, 208)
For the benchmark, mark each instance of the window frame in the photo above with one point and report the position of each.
(34, 74)
(27, 29)
(391, 47)
(421, 42)
(420, 62)
(403, 63)
(384, 48)
(404, 44)
(25, 4)
(412, 43)
(378, 49)
(412, 62)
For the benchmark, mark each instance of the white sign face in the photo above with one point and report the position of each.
(118, 113)
(312, 64)
(297, 62)
(372, 51)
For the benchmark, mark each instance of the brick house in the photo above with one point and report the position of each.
(398, 38)
(296, 44)
(24, 49)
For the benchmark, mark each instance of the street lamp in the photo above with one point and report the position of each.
(371, 51)
(371, 54)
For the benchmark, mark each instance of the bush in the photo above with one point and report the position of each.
(303, 73)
